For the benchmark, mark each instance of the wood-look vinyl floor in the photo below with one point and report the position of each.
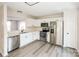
(0, 55)
(42, 49)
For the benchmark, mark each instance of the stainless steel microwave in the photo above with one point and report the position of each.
(44, 24)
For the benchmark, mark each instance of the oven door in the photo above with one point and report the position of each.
(43, 36)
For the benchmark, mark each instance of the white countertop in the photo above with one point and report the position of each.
(15, 33)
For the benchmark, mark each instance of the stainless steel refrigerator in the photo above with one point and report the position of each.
(53, 32)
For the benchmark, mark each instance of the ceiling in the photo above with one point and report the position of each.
(42, 8)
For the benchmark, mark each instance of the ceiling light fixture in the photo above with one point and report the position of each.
(31, 3)
(19, 11)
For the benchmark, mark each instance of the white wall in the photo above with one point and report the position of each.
(1, 35)
(12, 14)
(3, 30)
(14, 25)
(70, 28)
(78, 30)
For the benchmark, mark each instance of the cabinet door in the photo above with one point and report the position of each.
(30, 39)
(25, 39)
(35, 35)
(38, 35)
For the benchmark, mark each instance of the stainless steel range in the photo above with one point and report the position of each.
(43, 36)
(43, 33)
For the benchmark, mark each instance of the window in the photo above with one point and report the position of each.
(21, 25)
(9, 26)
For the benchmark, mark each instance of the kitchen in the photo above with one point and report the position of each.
(22, 30)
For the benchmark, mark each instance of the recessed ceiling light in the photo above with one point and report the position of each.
(31, 3)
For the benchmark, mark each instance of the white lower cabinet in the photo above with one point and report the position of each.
(36, 35)
(26, 38)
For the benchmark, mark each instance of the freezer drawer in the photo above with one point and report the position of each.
(13, 43)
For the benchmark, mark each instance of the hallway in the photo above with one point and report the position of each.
(42, 49)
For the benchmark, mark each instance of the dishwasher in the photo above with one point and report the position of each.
(13, 43)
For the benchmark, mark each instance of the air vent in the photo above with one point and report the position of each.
(31, 3)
